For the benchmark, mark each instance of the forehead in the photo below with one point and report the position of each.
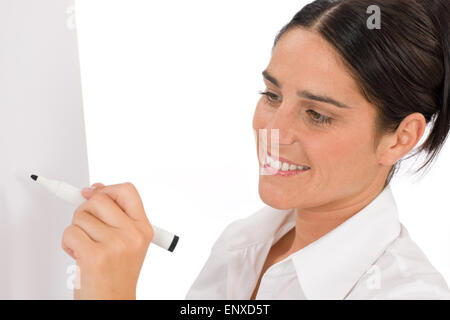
(302, 59)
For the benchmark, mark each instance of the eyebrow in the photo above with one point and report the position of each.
(306, 94)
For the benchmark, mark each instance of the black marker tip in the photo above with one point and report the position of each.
(34, 177)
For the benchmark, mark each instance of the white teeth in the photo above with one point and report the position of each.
(276, 164)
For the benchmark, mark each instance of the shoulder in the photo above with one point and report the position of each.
(254, 228)
(406, 273)
(212, 282)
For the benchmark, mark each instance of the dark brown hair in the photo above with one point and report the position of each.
(401, 68)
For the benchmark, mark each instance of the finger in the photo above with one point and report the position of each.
(88, 192)
(96, 229)
(69, 252)
(106, 210)
(77, 241)
(98, 185)
(128, 199)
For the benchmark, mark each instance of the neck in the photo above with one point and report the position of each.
(311, 224)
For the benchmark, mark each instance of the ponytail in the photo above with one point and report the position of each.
(439, 13)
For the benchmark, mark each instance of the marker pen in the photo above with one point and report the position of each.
(65, 191)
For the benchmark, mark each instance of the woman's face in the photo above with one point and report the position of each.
(336, 142)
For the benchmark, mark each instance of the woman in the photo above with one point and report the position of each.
(349, 102)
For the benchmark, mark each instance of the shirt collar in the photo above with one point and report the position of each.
(330, 266)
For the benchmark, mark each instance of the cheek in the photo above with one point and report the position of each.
(339, 153)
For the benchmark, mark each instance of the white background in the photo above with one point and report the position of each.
(169, 91)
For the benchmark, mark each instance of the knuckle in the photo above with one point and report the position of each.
(98, 185)
(141, 240)
(68, 231)
(97, 201)
(149, 233)
(64, 238)
(136, 239)
(78, 217)
(129, 186)
(98, 197)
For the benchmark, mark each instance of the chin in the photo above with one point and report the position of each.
(274, 199)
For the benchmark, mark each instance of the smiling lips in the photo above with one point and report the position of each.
(282, 168)
(283, 164)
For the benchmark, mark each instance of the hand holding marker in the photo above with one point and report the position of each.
(162, 238)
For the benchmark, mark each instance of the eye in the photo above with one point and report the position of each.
(270, 97)
(317, 118)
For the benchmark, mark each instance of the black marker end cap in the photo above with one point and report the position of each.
(174, 243)
(34, 177)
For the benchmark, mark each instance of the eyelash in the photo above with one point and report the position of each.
(322, 119)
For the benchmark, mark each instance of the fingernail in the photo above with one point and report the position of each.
(89, 190)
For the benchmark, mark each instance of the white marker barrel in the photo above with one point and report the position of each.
(62, 190)
(65, 191)
(164, 238)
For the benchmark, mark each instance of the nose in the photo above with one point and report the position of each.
(279, 131)
(281, 126)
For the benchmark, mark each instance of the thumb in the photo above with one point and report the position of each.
(88, 192)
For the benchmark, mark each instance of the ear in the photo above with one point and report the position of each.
(394, 146)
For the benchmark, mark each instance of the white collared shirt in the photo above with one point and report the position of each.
(368, 256)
